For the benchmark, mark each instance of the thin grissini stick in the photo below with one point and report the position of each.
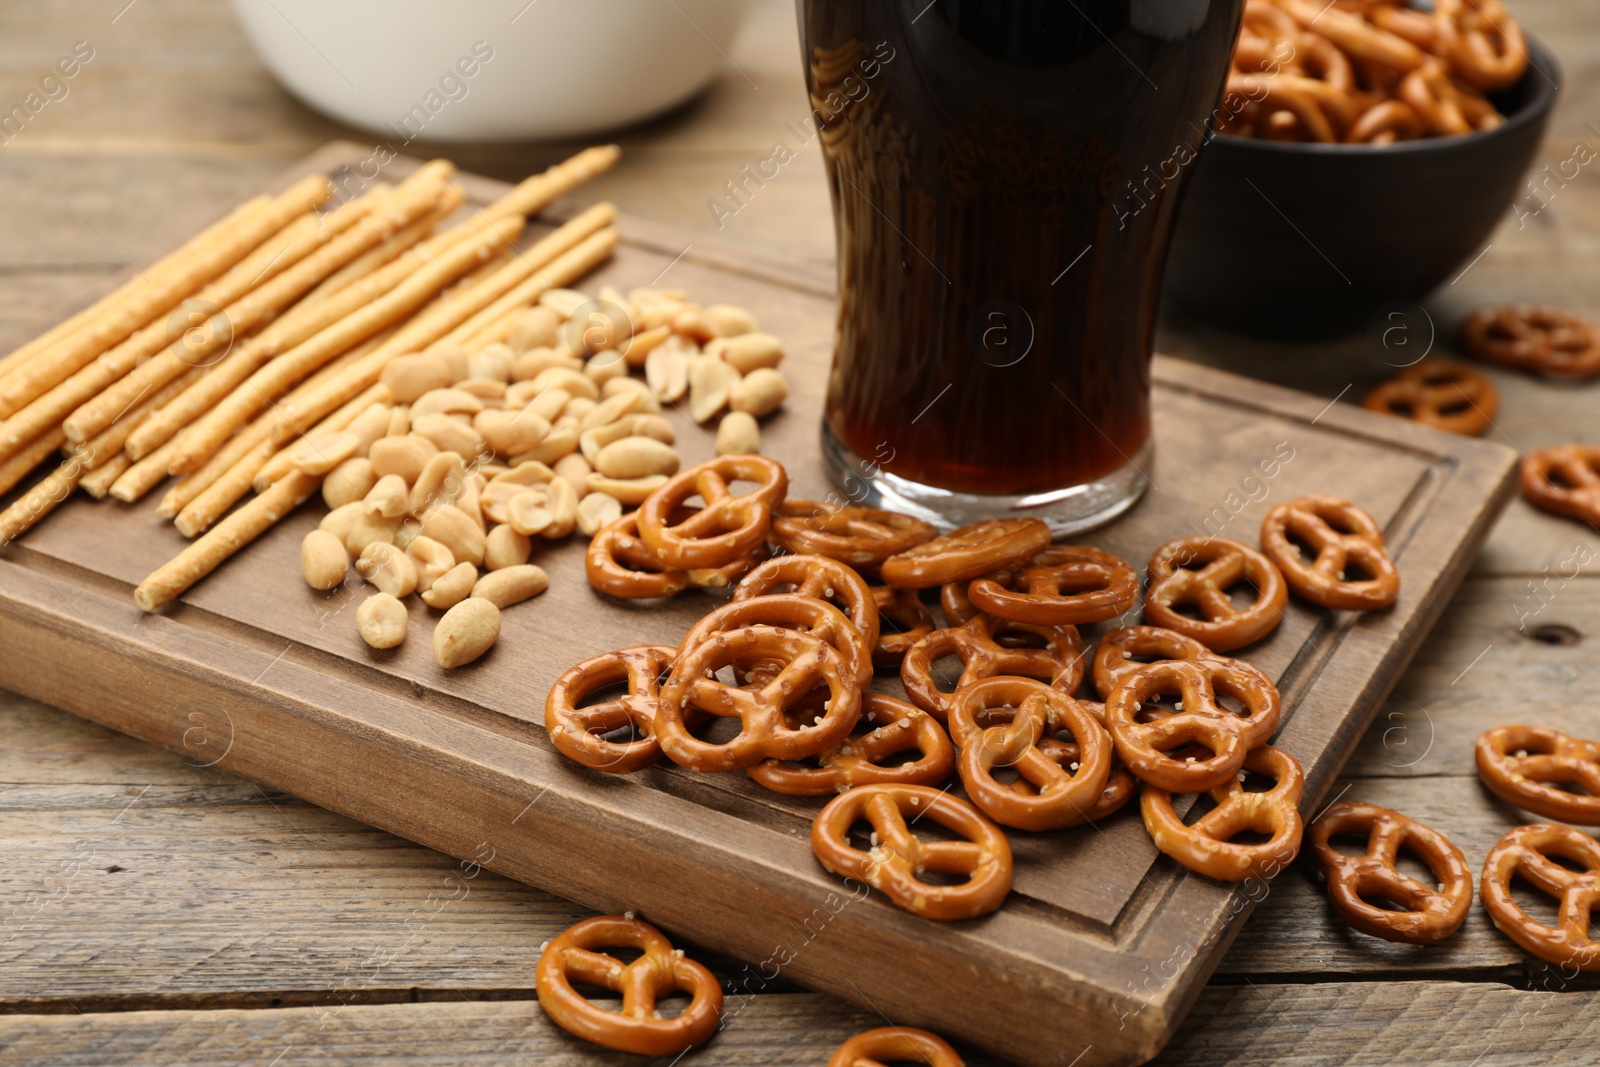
(97, 483)
(281, 464)
(141, 477)
(277, 377)
(72, 353)
(20, 465)
(449, 202)
(532, 194)
(201, 511)
(112, 439)
(43, 498)
(563, 270)
(258, 435)
(224, 540)
(255, 308)
(298, 325)
(529, 289)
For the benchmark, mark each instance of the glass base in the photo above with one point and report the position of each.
(1068, 511)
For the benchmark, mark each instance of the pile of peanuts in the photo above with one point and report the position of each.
(442, 490)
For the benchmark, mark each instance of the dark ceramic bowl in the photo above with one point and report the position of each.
(1308, 240)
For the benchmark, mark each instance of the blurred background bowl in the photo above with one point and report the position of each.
(553, 69)
(1308, 240)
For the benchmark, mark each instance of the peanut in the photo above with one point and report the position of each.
(506, 548)
(596, 510)
(454, 529)
(559, 442)
(433, 561)
(562, 301)
(405, 456)
(666, 369)
(321, 452)
(748, 351)
(511, 433)
(389, 499)
(537, 327)
(342, 519)
(512, 585)
(381, 621)
(448, 435)
(451, 587)
(629, 491)
(606, 366)
(548, 405)
(454, 356)
(636, 457)
(709, 382)
(446, 401)
(530, 473)
(388, 568)
(730, 321)
(370, 425)
(640, 345)
(575, 470)
(692, 323)
(761, 392)
(550, 510)
(368, 530)
(323, 560)
(399, 421)
(442, 481)
(349, 482)
(575, 382)
(578, 407)
(488, 390)
(466, 632)
(606, 412)
(738, 435)
(535, 362)
(409, 377)
(407, 532)
(492, 362)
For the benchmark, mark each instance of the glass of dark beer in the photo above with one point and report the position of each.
(1005, 174)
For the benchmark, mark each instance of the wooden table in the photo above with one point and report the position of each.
(155, 911)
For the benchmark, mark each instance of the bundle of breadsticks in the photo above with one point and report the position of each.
(271, 329)
(1370, 71)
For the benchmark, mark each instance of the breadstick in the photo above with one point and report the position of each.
(274, 379)
(97, 483)
(18, 466)
(225, 539)
(528, 290)
(42, 499)
(142, 476)
(257, 434)
(563, 269)
(281, 464)
(113, 437)
(248, 312)
(72, 353)
(449, 201)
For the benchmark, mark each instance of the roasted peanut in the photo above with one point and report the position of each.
(342, 519)
(368, 530)
(446, 402)
(512, 585)
(575, 382)
(370, 425)
(548, 405)
(511, 433)
(448, 435)
(442, 481)
(381, 621)
(389, 499)
(562, 301)
(407, 532)
(454, 529)
(605, 366)
(636, 457)
(606, 412)
(537, 327)
(761, 392)
(575, 470)
(323, 560)
(730, 321)
(388, 568)
(349, 482)
(492, 362)
(530, 472)
(489, 390)
(692, 323)
(432, 561)
(405, 456)
(454, 356)
(738, 435)
(531, 364)
(638, 347)
(551, 512)
(596, 510)
(399, 421)
(666, 370)
(409, 377)
(709, 382)
(560, 441)
(466, 632)
(629, 491)
(321, 452)
(451, 587)
(748, 351)
(506, 548)
(578, 407)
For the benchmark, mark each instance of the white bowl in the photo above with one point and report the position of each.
(492, 70)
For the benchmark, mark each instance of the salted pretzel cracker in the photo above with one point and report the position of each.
(1526, 766)
(1442, 393)
(1064, 585)
(895, 1044)
(1564, 479)
(1359, 885)
(897, 858)
(1525, 852)
(1340, 535)
(579, 732)
(765, 732)
(619, 563)
(977, 643)
(969, 552)
(909, 621)
(896, 727)
(1007, 723)
(1118, 653)
(859, 536)
(1530, 337)
(790, 611)
(727, 525)
(821, 578)
(1151, 749)
(1206, 846)
(576, 957)
(1227, 564)
(1484, 43)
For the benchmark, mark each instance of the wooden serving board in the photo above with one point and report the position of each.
(1103, 944)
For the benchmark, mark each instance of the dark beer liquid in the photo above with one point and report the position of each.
(1005, 175)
